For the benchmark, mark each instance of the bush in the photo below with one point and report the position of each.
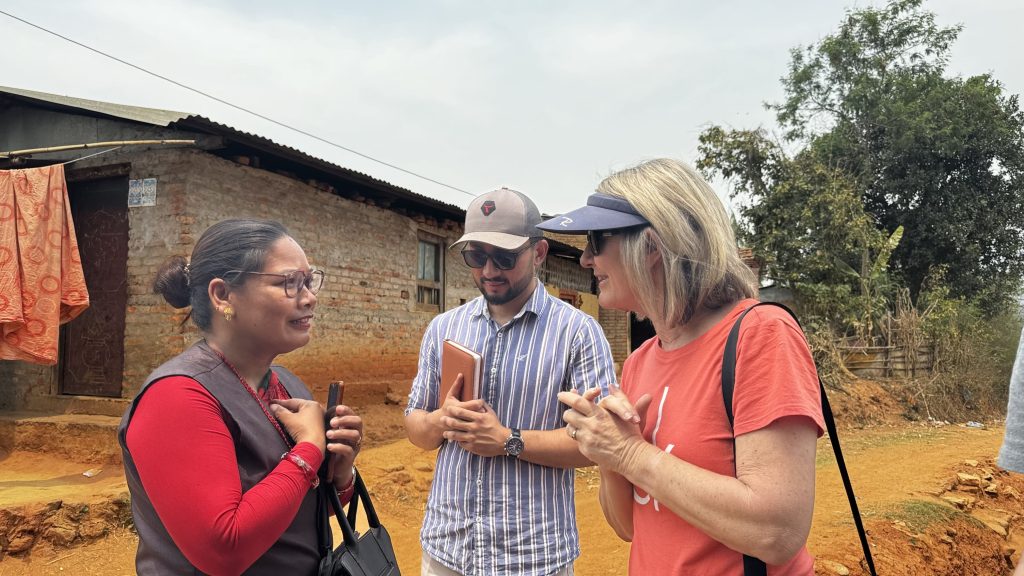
(974, 356)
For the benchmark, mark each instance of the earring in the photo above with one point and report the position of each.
(229, 313)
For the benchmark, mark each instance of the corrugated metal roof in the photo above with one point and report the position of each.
(136, 113)
(187, 121)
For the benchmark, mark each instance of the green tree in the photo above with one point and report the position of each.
(943, 157)
(805, 221)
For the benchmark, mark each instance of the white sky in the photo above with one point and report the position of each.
(544, 97)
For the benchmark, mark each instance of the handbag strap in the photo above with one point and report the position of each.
(324, 539)
(347, 521)
(753, 566)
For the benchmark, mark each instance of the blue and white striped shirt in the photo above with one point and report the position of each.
(503, 515)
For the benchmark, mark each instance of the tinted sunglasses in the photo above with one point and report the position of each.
(503, 259)
(596, 239)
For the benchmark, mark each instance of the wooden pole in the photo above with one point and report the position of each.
(14, 153)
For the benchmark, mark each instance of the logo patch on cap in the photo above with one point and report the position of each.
(488, 207)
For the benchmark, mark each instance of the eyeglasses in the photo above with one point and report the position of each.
(293, 281)
(596, 239)
(503, 259)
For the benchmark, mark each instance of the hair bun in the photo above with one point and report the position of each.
(172, 282)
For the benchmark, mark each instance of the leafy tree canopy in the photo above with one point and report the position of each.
(884, 139)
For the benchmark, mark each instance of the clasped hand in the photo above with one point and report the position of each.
(608, 432)
(304, 421)
(473, 424)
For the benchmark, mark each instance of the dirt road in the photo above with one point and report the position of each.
(899, 473)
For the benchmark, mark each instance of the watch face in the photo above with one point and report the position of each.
(514, 446)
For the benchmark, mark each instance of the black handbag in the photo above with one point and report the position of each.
(754, 566)
(366, 554)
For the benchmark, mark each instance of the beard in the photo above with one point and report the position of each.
(513, 292)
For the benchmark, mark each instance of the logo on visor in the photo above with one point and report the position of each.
(488, 207)
(565, 222)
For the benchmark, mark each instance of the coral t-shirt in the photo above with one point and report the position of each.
(775, 378)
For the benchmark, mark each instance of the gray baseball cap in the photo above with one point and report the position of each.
(503, 218)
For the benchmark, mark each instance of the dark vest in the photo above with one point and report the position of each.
(258, 447)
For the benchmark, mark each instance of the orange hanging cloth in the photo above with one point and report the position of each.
(41, 281)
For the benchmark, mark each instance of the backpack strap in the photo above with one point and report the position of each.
(754, 566)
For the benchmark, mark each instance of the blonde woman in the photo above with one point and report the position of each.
(693, 494)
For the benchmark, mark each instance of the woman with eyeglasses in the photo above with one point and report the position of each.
(221, 447)
(694, 494)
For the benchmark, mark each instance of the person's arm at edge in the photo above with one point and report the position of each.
(423, 425)
(424, 428)
(748, 513)
(616, 498)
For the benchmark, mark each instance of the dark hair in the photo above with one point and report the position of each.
(227, 245)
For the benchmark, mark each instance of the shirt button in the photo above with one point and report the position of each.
(494, 370)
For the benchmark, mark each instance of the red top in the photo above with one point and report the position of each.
(775, 378)
(186, 461)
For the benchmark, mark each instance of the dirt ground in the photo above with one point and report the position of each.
(931, 496)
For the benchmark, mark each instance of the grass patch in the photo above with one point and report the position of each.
(918, 515)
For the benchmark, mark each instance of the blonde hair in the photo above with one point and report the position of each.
(691, 230)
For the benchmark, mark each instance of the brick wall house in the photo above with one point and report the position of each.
(384, 249)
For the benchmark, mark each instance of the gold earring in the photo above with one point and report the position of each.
(229, 313)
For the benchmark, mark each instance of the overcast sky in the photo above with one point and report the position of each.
(544, 97)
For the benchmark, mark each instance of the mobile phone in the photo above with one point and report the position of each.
(335, 392)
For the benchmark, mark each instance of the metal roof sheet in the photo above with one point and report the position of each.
(185, 120)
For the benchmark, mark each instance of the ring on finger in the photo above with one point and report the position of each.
(572, 434)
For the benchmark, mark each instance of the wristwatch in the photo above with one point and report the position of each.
(514, 444)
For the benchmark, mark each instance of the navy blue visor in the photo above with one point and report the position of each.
(602, 212)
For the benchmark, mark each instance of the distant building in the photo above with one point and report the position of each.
(384, 249)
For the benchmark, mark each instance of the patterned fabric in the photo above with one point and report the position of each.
(41, 281)
(502, 515)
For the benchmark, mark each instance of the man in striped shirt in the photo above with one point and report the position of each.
(502, 497)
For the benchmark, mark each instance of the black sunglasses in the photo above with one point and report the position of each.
(596, 238)
(503, 259)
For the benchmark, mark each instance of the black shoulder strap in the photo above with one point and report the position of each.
(753, 566)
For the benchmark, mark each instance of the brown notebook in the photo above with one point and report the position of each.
(456, 359)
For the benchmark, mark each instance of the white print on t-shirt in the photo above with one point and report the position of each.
(643, 499)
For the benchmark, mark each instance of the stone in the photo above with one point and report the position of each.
(997, 520)
(400, 478)
(61, 535)
(964, 479)
(961, 501)
(835, 568)
(971, 463)
(20, 541)
(92, 530)
(424, 466)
